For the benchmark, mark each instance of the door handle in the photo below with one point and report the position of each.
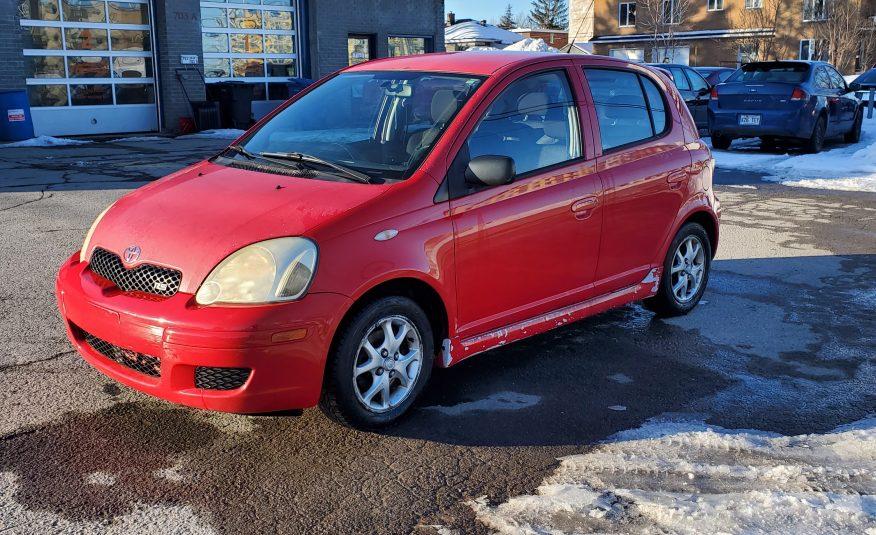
(676, 176)
(583, 207)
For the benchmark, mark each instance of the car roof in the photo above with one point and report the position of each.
(714, 69)
(668, 65)
(476, 63)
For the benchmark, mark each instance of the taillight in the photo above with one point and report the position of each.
(798, 94)
(714, 93)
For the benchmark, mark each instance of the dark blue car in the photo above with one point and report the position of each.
(806, 101)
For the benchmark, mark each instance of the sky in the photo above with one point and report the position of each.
(484, 9)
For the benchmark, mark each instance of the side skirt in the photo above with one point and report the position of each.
(461, 350)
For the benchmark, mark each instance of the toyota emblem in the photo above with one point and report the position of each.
(132, 254)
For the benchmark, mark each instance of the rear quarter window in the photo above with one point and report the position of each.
(630, 108)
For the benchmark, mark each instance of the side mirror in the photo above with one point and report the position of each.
(490, 170)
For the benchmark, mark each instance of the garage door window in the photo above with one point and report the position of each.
(65, 42)
(250, 41)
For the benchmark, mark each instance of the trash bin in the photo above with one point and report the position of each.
(235, 103)
(206, 115)
(16, 122)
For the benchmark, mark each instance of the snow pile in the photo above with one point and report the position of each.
(846, 167)
(526, 45)
(675, 476)
(44, 141)
(471, 30)
(221, 133)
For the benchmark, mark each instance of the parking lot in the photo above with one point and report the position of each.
(783, 342)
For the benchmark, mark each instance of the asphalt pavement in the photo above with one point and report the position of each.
(783, 341)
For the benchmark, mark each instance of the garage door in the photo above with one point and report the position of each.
(89, 66)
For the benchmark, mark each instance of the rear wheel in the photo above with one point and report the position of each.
(721, 142)
(685, 272)
(816, 140)
(380, 363)
(854, 135)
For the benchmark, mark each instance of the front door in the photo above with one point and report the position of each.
(700, 88)
(531, 246)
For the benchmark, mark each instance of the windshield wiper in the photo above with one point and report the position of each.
(242, 151)
(308, 158)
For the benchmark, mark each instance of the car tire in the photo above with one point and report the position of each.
(816, 141)
(721, 142)
(346, 388)
(670, 300)
(854, 135)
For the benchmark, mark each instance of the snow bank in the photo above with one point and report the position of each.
(221, 133)
(474, 31)
(526, 45)
(682, 476)
(845, 167)
(44, 141)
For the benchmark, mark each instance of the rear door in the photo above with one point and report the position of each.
(683, 85)
(644, 164)
(700, 89)
(829, 94)
(848, 103)
(528, 247)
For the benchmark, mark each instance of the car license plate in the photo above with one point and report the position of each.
(749, 120)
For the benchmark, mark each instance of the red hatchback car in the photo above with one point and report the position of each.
(398, 215)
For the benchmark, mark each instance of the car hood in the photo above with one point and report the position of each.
(193, 219)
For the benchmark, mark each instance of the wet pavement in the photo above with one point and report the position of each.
(783, 341)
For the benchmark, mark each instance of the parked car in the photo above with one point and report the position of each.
(339, 250)
(863, 84)
(693, 88)
(715, 75)
(805, 101)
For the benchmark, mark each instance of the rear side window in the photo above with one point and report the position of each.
(534, 121)
(696, 81)
(793, 73)
(679, 78)
(629, 107)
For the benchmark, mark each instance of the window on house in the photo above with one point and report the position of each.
(360, 48)
(407, 46)
(626, 14)
(812, 50)
(814, 10)
(716, 5)
(753, 4)
(668, 12)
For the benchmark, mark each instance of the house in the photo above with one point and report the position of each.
(715, 32)
(467, 33)
(104, 67)
(555, 38)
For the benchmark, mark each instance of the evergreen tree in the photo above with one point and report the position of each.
(550, 14)
(507, 20)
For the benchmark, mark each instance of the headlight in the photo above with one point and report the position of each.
(264, 272)
(84, 251)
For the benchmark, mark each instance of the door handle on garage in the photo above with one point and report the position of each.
(583, 207)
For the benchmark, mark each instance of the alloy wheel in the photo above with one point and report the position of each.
(387, 364)
(688, 269)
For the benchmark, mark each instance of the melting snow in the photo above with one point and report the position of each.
(525, 45)
(44, 141)
(676, 476)
(840, 167)
(502, 401)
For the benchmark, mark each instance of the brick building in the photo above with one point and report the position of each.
(108, 66)
(710, 32)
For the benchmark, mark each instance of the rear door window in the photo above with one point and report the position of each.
(696, 81)
(629, 107)
(822, 79)
(679, 78)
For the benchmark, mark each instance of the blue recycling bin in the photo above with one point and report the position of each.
(16, 122)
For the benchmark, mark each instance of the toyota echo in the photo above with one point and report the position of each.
(399, 215)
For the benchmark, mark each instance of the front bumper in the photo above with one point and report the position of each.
(183, 336)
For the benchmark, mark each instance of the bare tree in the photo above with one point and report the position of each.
(845, 32)
(760, 18)
(661, 19)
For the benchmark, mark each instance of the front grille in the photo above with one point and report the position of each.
(145, 364)
(211, 378)
(144, 278)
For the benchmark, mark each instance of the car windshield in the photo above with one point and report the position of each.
(382, 124)
(793, 73)
(868, 77)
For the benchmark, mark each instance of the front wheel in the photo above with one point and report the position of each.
(685, 272)
(854, 135)
(380, 363)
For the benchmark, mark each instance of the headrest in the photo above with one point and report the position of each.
(444, 104)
